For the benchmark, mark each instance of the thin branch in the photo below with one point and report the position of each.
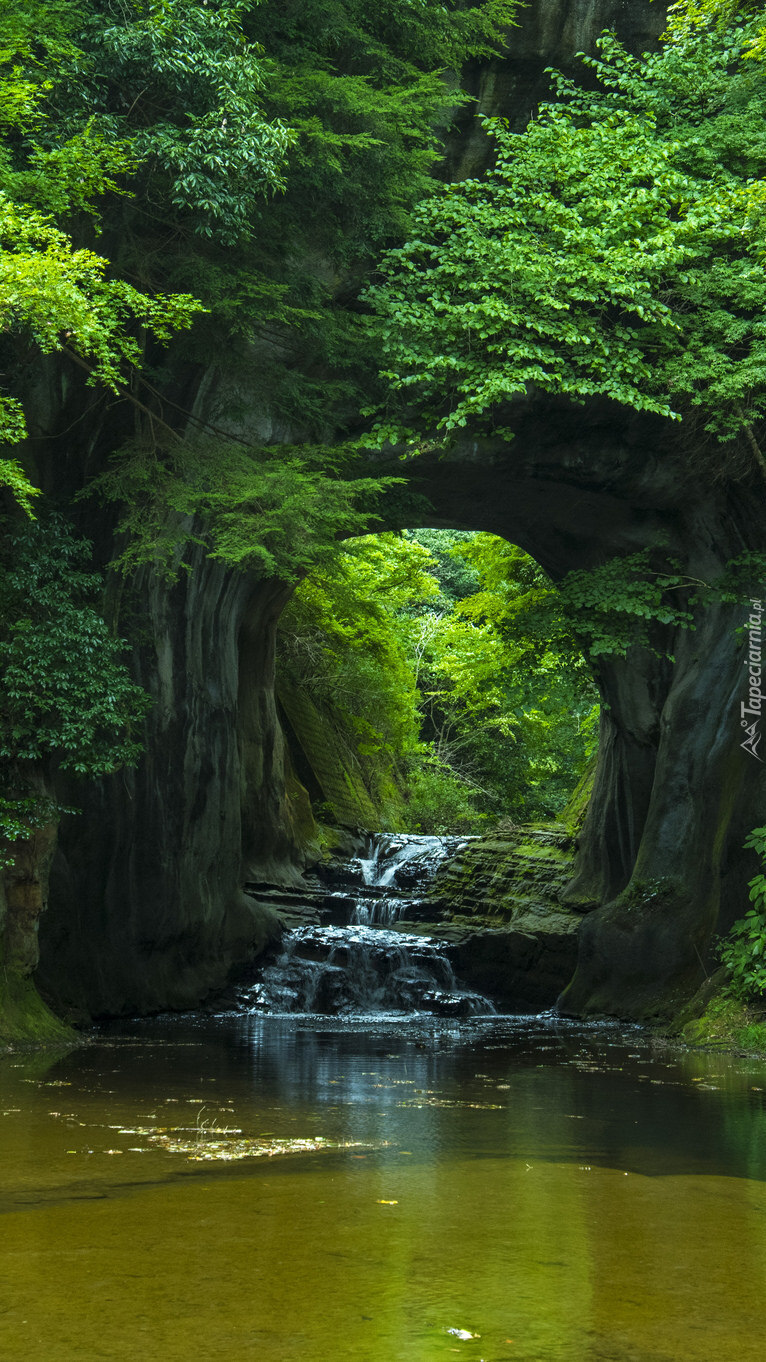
(751, 440)
(756, 448)
(123, 392)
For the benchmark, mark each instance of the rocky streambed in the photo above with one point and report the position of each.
(449, 925)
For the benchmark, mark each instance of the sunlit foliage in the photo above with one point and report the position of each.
(433, 651)
(614, 250)
(743, 951)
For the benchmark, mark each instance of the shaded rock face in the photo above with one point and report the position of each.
(146, 904)
(24, 888)
(550, 33)
(500, 902)
(660, 851)
(147, 908)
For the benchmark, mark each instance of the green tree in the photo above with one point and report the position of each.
(58, 298)
(68, 702)
(508, 700)
(277, 510)
(344, 638)
(182, 84)
(743, 951)
(614, 250)
(56, 295)
(298, 134)
(433, 668)
(689, 15)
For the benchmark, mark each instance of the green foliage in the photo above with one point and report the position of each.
(52, 293)
(34, 38)
(342, 639)
(167, 126)
(507, 699)
(181, 83)
(66, 694)
(612, 606)
(179, 120)
(438, 801)
(12, 475)
(363, 86)
(613, 251)
(744, 950)
(349, 638)
(44, 163)
(278, 511)
(60, 299)
(687, 17)
(427, 660)
(728, 1023)
(601, 610)
(22, 813)
(364, 90)
(456, 576)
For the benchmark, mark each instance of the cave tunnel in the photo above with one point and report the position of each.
(146, 899)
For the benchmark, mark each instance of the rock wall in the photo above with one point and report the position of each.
(24, 887)
(147, 909)
(500, 902)
(661, 858)
(336, 771)
(549, 33)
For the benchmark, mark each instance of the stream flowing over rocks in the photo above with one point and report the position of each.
(345, 949)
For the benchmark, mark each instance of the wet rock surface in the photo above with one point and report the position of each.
(395, 927)
(511, 932)
(344, 949)
(363, 969)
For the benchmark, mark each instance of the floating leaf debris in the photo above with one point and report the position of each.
(230, 1147)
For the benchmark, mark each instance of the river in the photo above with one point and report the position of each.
(257, 1188)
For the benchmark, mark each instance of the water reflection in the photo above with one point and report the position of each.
(563, 1192)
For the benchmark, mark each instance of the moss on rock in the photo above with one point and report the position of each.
(504, 878)
(573, 815)
(728, 1024)
(335, 767)
(500, 901)
(24, 1018)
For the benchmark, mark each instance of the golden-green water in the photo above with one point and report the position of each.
(506, 1191)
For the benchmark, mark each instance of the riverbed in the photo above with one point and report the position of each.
(294, 1189)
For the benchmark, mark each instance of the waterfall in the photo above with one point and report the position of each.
(353, 957)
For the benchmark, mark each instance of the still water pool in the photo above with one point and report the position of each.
(513, 1190)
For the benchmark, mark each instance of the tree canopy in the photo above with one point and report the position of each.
(613, 250)
(56, 294)
(241, 164)
(226, 175)
(446, 661)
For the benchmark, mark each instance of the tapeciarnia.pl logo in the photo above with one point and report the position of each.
(750, 712)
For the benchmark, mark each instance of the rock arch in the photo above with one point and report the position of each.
(146, 904)
(661, 866)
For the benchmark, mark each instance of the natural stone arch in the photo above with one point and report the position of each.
(147, 908)
(661, 858)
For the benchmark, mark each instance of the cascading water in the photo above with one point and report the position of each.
(395, 863)
(345, 951)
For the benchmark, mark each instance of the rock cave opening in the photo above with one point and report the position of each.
(148, 903)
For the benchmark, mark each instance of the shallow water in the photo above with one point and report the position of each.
(503, 1189)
